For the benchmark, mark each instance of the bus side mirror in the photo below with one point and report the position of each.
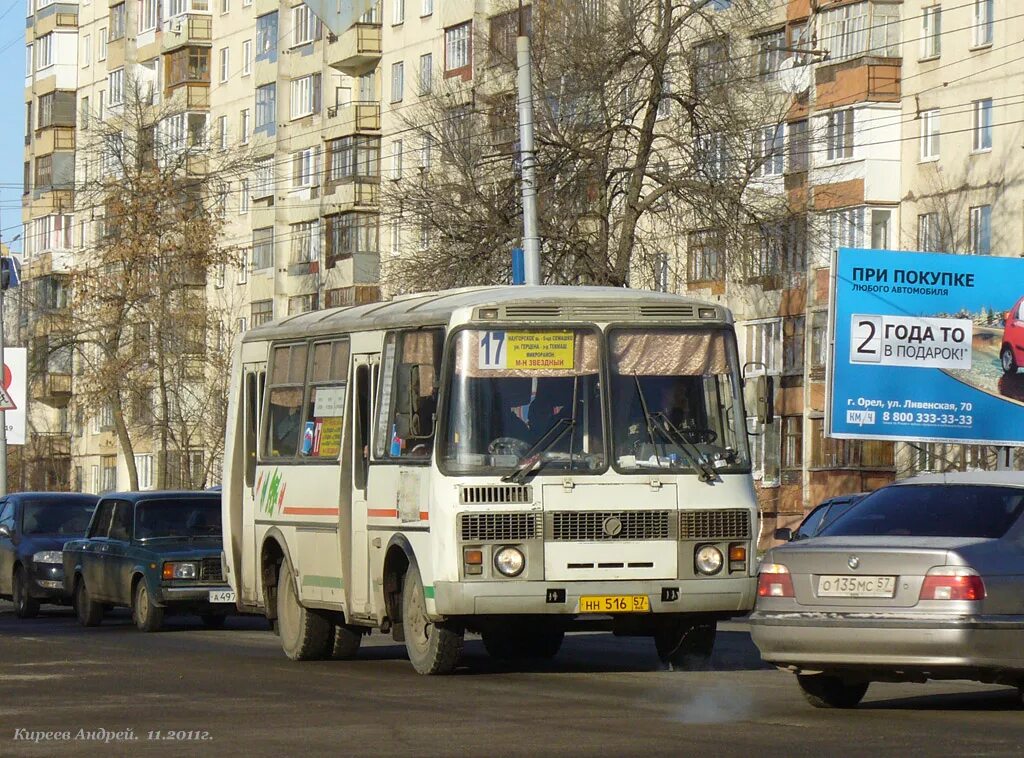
(765, 399)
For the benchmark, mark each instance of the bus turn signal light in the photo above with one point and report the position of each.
(475, 557)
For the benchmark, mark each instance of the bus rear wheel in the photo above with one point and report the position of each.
(685, 645)
(305, 635)
(433, 647)
(346, 641)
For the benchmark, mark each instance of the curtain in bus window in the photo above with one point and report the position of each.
(669, 353)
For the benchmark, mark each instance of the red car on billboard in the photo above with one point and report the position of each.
(1012, 353)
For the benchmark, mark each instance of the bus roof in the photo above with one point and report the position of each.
(541, 303)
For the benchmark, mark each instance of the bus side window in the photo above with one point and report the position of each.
(361, 454)
(411, 372)
(285, 395)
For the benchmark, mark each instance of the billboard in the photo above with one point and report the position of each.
(927, 347)
(15, 390)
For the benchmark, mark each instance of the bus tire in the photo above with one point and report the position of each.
(305, 635)
(685, 645)
(346, 642)
(433, 647)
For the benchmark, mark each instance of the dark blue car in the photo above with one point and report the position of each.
(153, 552)
(33, 529)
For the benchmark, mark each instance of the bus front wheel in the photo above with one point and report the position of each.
(305, 635)
(433, 647)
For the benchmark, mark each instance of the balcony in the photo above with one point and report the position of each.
(864, 79)
(356, 50)
(51, 445)
(185, 30)
(359, 194)
(354, 118)
(52, 389)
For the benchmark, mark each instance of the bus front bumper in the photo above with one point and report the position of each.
(732, 595)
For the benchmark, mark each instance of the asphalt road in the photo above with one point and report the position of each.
(236, 693)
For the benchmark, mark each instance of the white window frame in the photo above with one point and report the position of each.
(305, 25)
(246, 57)
(243, 126)
(773, 150)
(44, 47)
(979, 224)
(244, 261)
(840, 135)
(762, 346)
(426, 73)
(222, 132)
(101, 40)
(397, 12)
(396, 159)
(981, 132)
(929, 234)
(397, 81)
(115, 86)
(144, 469)
(457, 46)
(149, 15)
(931, 32)
(304, 96)
(243, 197)
(847, 227)
(263, 177)
(930, 134)
(225, 64)
(984, 18)
(304, 168)
(426, 8)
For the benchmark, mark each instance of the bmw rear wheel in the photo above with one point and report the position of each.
(828, 691)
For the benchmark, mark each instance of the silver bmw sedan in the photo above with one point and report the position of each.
(923, 579)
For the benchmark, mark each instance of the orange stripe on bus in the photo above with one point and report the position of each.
(295, 511)
(391, 513)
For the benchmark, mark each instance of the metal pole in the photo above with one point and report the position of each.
(527, 157)
(3, 414)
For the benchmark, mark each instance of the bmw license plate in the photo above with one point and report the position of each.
(856, 586)
(615, 604)
(222, 596)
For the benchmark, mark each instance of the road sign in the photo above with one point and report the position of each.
(10, 272)
(14, 392)
(6, 401)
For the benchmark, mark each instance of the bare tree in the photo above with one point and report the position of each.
(143, 328)
(649, 122)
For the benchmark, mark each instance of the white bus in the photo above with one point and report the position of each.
(517, 462)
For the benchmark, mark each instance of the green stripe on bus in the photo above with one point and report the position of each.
(331, 582)
(428, 591)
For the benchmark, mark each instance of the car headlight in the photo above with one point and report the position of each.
(510, 561)
(178, 570)
(708, 560)
(48, 556)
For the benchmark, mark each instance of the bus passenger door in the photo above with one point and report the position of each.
(365, 369)
(255, 376)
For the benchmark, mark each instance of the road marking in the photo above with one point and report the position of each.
(31, 677)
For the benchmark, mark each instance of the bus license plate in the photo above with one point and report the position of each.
(856, 586)
(615, 604)
(222, 596)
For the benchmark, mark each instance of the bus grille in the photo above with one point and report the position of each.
(570, 526)
(714, 525)
(210, 570)
(496, 494)
(499, 527)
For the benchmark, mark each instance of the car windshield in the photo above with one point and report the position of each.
(64, 518)
(932, 510)
(525, 397)
(194, 517)
(676, 400)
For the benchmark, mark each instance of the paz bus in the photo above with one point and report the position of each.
(517, 462)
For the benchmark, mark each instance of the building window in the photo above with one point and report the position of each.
(819, 339)
(222, 132)
(225, 63)
(302, 304)
(266, 105)
(705, 257)
(426, 74)
(797, 145)
(931, 31)
(225, 6)
(244, 261)
(144, 468)
(243, 197)
(930, 135)
(426, 148)
(304, 167)
(980, 230)
(351, 234)
(397, 81)
(426, 7)
(266, 37)
(846, 228)
(44, 50)
(108, 468)
(929, 235)
(188, 65)
(396, 236)
(396, 159)
(770, 53)
(350, 157)
(710, 64)
(881, 222)
(983, 17)
(261, 312)
(117, 24)
(262, 248)
(243, 119)
(457, 47)
(711, 155)
(85, 53)
(305, 237)
(305, 25)
(792, 442)
(246, 57)
(839, 134)
(44, 171)
(772, 150)
(860, 28)
(763, 346)
(793, 345)
(101, 44)
(397, 11)
(149, 14)
(982, 130)
(305, 96)
(264, 175)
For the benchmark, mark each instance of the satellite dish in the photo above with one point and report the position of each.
(793, 77)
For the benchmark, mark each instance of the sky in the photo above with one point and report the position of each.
(12, 116)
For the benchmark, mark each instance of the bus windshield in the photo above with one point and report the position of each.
(676, 401)
(525, 398)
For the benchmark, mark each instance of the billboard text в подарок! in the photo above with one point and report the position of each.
(927, 347)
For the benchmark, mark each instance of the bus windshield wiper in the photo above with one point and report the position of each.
(533, 456)
(670, 430)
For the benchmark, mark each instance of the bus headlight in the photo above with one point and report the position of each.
(510, 561)
(708, 560)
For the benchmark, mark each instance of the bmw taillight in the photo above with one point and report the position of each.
(952, 583)
(774, 580)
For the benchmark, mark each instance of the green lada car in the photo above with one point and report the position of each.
(157, 553)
